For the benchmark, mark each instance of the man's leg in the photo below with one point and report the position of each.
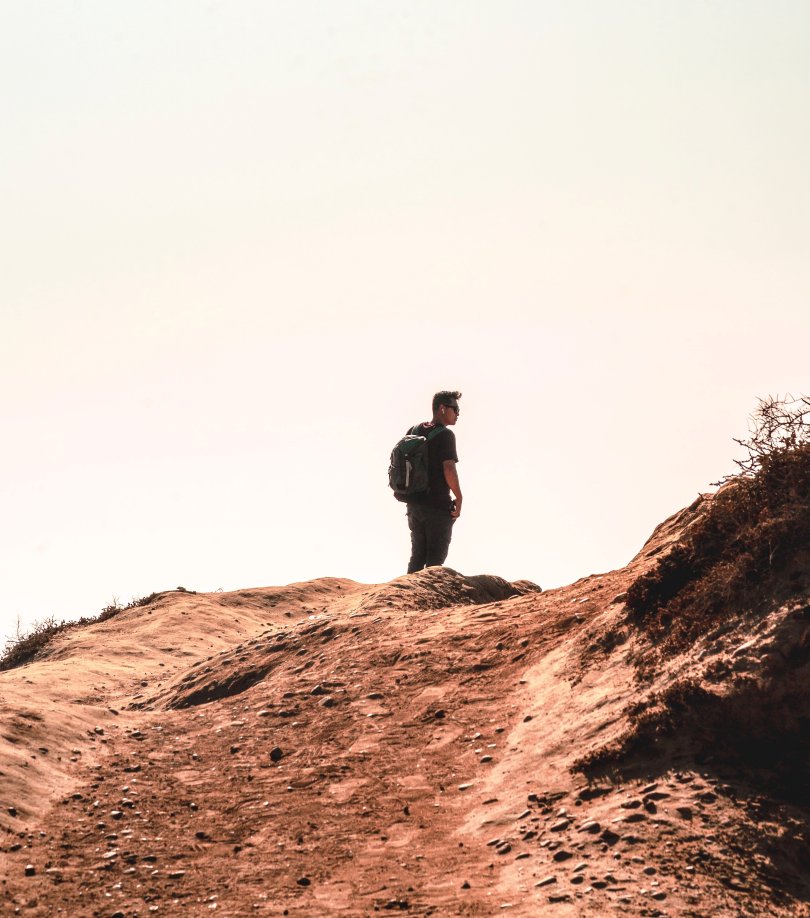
(439, 531)
(416, 523)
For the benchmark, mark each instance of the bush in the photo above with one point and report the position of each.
(28, 647)
(751, 544)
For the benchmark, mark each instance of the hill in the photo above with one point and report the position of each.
(436, 745)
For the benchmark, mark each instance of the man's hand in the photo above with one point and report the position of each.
(451, 477)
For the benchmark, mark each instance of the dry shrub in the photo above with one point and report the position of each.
(28, 647)
(750, 547)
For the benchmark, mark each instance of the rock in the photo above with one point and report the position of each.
(563, 897)
(376, 696)
(546, 881)
(485, 759)
(401, 904)
(527, 718)
(634, 817)
(303, 881)
(619, 597)
(203, 836)
(562, 855)
(317, 690)
(592, 827)
(649, 788)
(463, 787)
(504, 848)
(465, 885)
(30, 870)
(685, 812)
(234, 750)
(276, 754)
(116, 814)
(439, 714)
(561, 825)
(176, 874)
(609, 837)
(12, 811)
(328, 702)
(630, 804)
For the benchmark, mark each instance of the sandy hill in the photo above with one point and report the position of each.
(437, 745)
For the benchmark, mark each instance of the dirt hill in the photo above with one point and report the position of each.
(436, 745)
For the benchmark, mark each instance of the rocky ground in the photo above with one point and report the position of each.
(334, 748)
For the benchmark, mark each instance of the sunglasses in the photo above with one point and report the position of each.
(455, 408)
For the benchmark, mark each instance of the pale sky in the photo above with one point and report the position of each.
(242, 244)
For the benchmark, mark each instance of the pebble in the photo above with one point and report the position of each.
(463, 787)
(485, 759)
(12, 811)
(561, 825)
(504, 848)
(30, 870)
(562, 855)
(328, 702)
(465, 885)
(546, 881)
(276, 754)
(303, 881)
(374, 696)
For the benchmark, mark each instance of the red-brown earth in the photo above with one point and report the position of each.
(333, 748)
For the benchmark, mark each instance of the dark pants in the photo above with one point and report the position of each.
(431, 530)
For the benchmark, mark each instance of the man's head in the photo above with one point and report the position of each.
(445, 407)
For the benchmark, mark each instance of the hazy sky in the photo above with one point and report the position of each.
(242, 244)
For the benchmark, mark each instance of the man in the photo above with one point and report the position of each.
(431, 515)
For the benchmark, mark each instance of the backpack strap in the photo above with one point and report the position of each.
(435, 432)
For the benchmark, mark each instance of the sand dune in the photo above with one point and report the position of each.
(418, 747)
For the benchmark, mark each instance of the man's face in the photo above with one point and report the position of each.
(449, 414)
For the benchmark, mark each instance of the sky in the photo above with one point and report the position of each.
(242, 244)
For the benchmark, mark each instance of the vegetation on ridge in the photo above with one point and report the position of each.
(27, 647)
(750, 545)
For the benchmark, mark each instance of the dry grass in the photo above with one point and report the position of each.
(30, 646)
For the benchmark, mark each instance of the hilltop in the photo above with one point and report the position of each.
(441, 744)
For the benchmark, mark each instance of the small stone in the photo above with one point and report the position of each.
(659, 896)
(177, 875)
(561, 825)
(527, 718)
(328, 702)
(577, 879)
(485, 759)
(303, 881)
(439, 714)
(650, 871)
(505, 848)
(465, 885)
(276, 754)
(116, 814)
(30, 870)
(234, 750)
(685, 812)
(376, 696)
(546, 881)
(463, 787)
(317, 690)
(562, 855)
(203, 836)
(563, 897)
(12, 811)
(592, 827)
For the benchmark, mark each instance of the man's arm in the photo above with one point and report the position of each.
(451, 477)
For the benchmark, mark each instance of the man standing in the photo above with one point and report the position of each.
(431, 515)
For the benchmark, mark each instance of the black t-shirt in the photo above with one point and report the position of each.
(440, 448)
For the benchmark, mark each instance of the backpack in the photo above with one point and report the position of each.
(408, 469)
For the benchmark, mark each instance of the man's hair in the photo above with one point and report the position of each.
(445, 397)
